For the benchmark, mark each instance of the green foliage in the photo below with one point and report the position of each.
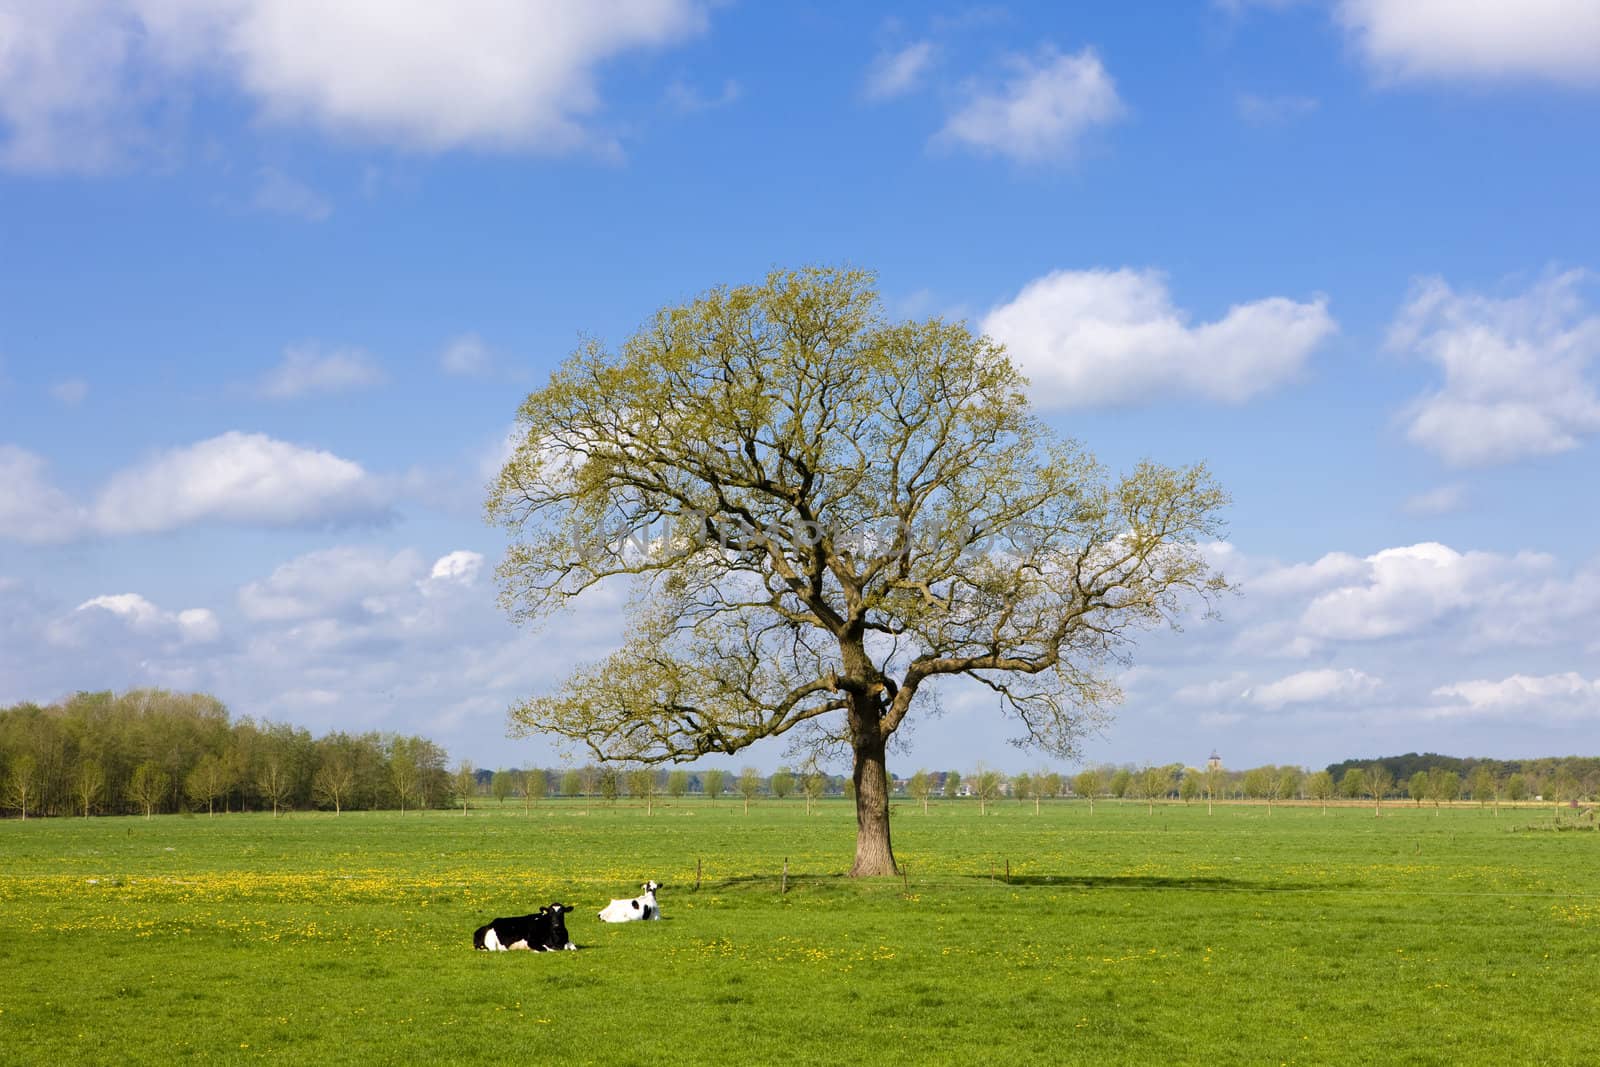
(571, 783)
(1121, 783)
(952, 784)
(714, 782)
(781, 783)
(678, 784)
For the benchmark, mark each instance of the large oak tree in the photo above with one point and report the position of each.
(824, 513)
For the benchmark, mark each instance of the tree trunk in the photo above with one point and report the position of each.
(874, 855)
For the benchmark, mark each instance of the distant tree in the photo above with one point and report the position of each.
(714, 783)
(610, 783)
(1379, 783)
(749, 786)
(781, 783)
(813, 784)
(952, 784)
(1319, 786)
(1151, 784)
(1353, 786)
(1215, 779)
(589, 777)
(404, 773)
(1288, 783)
(571, 783)
(920, 786)
(147, 786)
(1257, 784)
(1088, 783)
(22, 783)
(334, 781)
(1418, 787)
(1443, 786)
(275, 779)
(1480, 785)
(987, 785)
(1516, 788)
(1189, 788)
(89, 784)
(532, 784)
(642, 784)
(463, 784)
(678, 784)
(502, 785)
(1121, 782)
(1050, 783)
(1022, 789)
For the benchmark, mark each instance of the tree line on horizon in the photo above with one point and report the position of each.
(151, 751)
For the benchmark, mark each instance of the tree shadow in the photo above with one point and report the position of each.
(1208, 883)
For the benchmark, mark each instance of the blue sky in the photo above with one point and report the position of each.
(275, 275)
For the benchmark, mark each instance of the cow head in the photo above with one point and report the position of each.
(651, 886)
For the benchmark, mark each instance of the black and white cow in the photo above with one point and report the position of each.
(641, 907)
(544, 931)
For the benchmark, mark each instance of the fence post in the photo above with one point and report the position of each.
(783, 887)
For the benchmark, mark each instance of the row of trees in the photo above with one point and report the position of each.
(150, 750)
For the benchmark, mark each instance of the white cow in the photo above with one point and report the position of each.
(643, 906)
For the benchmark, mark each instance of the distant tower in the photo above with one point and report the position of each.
(1215, 762)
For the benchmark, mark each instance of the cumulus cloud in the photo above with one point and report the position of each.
(1400, 590)
(307, 369)
(899, 72)
(82, 81)
(460, 566)
(31, 509)
(340, 582)
(1553, 696)
(135, 613)
(1516, 370)
(238, 478)
(1322, 686)
(1040, 113)
(1544, 40)
(1098, 337)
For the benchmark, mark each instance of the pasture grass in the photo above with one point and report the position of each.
(1122, 937)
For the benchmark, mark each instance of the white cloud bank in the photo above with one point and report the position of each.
(192, 626)
(1516, 370)
(237, 478)
(1040, 113)
(1551, 696)
(82, 81)
(1413, 40)
(1101, 337)
(1324, 686)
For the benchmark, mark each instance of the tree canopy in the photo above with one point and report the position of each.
(822, 513)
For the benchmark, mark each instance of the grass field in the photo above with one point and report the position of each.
(1235, 938)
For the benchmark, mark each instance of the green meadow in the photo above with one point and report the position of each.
(1237, 937)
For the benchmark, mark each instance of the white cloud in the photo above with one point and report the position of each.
(31, 509)
(279, 194)
(238, 478)
(1322, 686)
(1545, 40)
(1041, 113)
(466, 355)
(188, 627)
(1403, 589)
(1516, 370)
(307, 369)
(1096, 337)
(1439, 501)
(899, 72)
(459, 566)
(1553, 696)
(341, 582)
(83, 82)
(70, 392)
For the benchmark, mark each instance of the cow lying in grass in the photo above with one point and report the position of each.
(643, 906)
(545, 931)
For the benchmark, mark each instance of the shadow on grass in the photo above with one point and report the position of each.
(1204, 883)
